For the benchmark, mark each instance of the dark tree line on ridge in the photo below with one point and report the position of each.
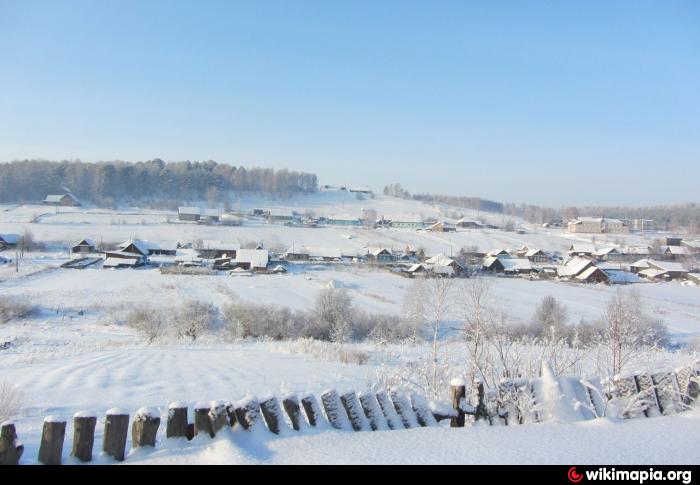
(155, 181)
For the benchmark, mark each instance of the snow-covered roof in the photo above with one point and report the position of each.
(257, 258)
(533, 252)
(642, 263)
(10, 238)
(637, 250)
(59, 197)
(516, 264)
(142, 246)
(675, 250)
(211, 212)
(441, 269)
(582, 248)
(85, 242)
(585, 274)
(187, 255)
(606, 251)
(652, 272)
(194, 211)
(574, 266)
(498, 252)
(691, 244)
(378, 251)
(123, 254)
(114, 262)
(440, 260)
(668, 266)
(417, 267)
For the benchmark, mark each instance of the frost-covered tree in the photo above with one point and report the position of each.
(550, 318)
(333, 311)
(438, 295)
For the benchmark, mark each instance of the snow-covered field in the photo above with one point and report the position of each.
(72, 356)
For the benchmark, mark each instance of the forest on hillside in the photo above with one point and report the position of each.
(152, 182)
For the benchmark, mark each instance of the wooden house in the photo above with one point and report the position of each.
(86, 246)
(64, 200)
(252, 259)
(188, 214)
(9, 240)
(443, 226)
(381, 256)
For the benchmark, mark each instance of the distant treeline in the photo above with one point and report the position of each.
(475, 203)
(111, 183)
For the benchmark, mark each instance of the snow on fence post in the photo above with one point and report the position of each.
(667, 392)
(218, 416)
(116, 431)
(271, 413)
(11, 448)
(647, 394)
(334, 409)
(51, 447)
(403, 408)
(357, 417)
(374, 414)
(291, 407)
(458, 390)
(389, 412)
(312, 409)
(248, 412)
(144, 429)
(422, 410)
(83, 435)
(177, 421)
(231, 413)
(688, 385)
(202, 424)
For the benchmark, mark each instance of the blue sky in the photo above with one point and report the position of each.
(594, 102)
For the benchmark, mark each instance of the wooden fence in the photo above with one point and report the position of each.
(513, 402)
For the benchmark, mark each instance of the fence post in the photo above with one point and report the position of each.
(144, 430)
(10, 448)
(334, 409)
(311, 409)
(271, 413)
(459, 392)
(116, 431)
(202, 424)
(481, 409)
(218, 416)
(248, 412)
(355, 412)
(291, 407)
(83, 435)
(177, 421)
(51, 447)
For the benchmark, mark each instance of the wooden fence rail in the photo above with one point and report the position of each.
(513, 402)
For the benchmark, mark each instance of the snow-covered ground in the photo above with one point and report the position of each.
(72, 356)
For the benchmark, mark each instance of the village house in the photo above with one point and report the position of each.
(210, 216)
(211, 249)
(692, 246)
(536, 256)
(133, 254)
(671, 241)
(381, 256)
(609, 254)
(297, 253)
(661, 270)
(443, 226)
(150, 247)
(418, 269)
(498, 253)
(187, 257)
(86, 246)
(439, 263)
(65, 200)
(189, 214)
(252, 259)
(343, 221)
(582, 270)
(465, 223)
(597, 225)
(508, 265)
(673, 252)
(9, 240)
(407, 224)
(578, 250)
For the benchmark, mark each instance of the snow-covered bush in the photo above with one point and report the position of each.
(13, 307)
(195, 318)
(330, 351)
(10, 401)
(146, 320)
